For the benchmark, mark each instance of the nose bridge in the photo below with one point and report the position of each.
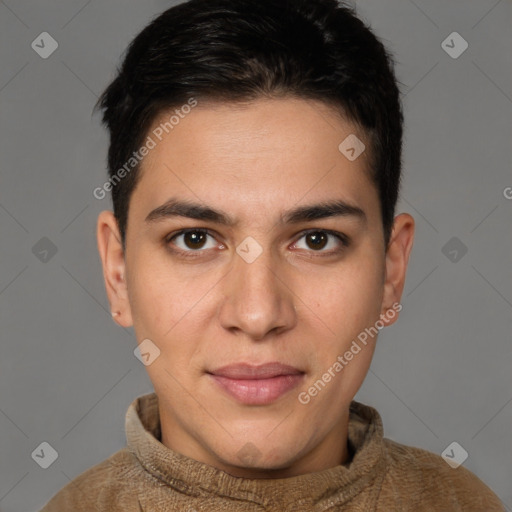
(257, 275)
(257, 299)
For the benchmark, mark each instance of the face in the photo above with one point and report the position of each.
(254, 260)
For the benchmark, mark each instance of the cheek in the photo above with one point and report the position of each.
(155, 294)
(167, 302)
(349, 306)
(346, 300)
(354, 306)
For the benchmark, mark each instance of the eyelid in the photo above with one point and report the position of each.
(341, 237)
(184, 231)
(172, 236)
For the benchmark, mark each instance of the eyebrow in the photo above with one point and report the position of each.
(176, 208)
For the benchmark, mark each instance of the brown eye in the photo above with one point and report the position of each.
(323, 241)
(193, 240)
(317, 240)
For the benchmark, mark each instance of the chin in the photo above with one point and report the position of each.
(251, 460)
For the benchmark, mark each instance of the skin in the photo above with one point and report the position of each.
(297, 303)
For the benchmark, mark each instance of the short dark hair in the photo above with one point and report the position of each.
(239, 50)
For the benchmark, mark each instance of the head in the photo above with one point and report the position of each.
(255, 160)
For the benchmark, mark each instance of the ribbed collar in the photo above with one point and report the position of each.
(322, 489)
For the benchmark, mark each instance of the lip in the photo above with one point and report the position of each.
(257, 385)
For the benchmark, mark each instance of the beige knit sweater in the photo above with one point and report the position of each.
(382, 476)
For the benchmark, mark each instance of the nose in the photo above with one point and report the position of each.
(258, 299)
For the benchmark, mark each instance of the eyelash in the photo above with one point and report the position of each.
(341, 237)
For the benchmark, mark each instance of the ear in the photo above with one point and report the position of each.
(397, 258)
(113, 261)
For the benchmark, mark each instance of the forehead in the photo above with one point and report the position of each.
(266, 154)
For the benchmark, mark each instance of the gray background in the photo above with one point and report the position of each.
(68, 373)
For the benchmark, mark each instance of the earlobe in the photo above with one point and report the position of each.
(397, 259)
(112, 257)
